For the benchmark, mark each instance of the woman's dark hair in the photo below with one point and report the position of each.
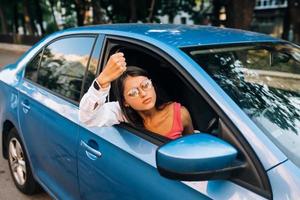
(118, 91)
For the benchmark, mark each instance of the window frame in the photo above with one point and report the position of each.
(40, 51)
(266, 191)
(99, 41)
(83, 35)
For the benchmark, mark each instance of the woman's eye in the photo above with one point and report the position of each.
(133, 93)
(147, 85)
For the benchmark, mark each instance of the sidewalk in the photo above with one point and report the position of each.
(14, 47)
(9, 53)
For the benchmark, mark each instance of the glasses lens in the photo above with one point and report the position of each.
(134, 92)
(146, 84)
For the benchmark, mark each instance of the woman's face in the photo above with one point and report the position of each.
(139, 93)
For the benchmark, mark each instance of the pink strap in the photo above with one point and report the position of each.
(177, 115)
(177, 127)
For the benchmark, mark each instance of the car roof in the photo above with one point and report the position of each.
(181, 35)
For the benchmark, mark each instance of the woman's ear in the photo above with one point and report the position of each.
(126, 104)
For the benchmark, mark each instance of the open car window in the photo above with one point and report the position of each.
(174, 88)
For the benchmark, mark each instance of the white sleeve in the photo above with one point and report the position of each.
(93, 111)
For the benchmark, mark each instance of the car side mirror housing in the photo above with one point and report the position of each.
(197, 157)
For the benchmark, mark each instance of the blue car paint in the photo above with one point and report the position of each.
(285, 177)
(196, 153)
(169, 39)
(44, 159)
(181, 35)
(119, 147)
(54, 162)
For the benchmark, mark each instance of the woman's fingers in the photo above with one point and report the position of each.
(117, 59)
(121, 67)
(119, 54)
(114, 68)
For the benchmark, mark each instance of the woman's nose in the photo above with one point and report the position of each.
(142, 93)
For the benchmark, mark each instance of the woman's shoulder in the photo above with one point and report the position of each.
(172, 105)
(165, 105)
(185, 115)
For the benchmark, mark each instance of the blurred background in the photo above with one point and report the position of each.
(27, 21)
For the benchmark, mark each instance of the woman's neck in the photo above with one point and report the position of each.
(148, 114)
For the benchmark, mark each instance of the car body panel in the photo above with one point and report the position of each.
(226, 190)
(181, 35)
(285, 181)
(51, 139)
(9, 105)
(129, 150)
(99, 177)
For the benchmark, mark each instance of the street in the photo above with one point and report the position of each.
(8, 191)
(7, 57)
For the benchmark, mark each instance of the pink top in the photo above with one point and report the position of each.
(177, 127)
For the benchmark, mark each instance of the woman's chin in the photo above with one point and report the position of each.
(146, 107)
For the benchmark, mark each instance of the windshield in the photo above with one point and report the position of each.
(264, 80)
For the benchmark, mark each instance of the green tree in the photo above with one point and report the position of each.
(120, 11)
(98, 13)
(52, 4)
(27, 18)
(200, 16)
(292, 21)
(217, 5)
(151, 11)
(239, 14)
(6, 16)
(81, 7)
(3, 20)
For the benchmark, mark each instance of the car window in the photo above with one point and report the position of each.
(264, 80)
(32, 67)
(63, 65)
(173, 89)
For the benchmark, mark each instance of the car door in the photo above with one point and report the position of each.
(114, 163)
(48, 112)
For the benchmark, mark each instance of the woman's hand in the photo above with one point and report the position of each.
(114, 68)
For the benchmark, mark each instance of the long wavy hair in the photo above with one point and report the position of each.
(118, 90)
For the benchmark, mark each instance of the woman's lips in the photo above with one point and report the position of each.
(148, 100)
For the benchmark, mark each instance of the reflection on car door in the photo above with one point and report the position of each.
(51, 139)
(114, 163)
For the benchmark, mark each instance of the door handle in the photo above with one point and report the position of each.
(26, 107)
(91, 152)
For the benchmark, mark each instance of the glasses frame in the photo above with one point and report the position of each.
(138, 89)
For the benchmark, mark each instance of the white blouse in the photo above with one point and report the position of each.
(93, 111)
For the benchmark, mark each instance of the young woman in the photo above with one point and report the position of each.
(137, 102)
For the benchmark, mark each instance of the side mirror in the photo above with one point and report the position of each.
(197, 157)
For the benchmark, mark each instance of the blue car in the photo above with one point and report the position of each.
(242, 90)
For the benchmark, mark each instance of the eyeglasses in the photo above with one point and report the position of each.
(145, 86)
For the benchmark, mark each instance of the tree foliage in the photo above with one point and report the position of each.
(40, 17)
